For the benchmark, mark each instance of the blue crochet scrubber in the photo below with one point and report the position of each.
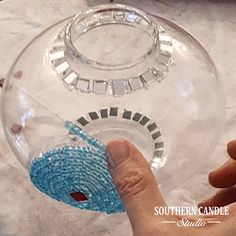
(77, 175)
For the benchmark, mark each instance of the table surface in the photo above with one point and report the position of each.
(26, 212)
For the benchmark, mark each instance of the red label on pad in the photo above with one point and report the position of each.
(78, 196)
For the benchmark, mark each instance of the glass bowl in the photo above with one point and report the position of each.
(113, 72)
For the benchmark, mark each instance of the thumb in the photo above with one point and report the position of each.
(134, 181)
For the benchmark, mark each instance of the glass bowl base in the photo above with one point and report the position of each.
(113, 123)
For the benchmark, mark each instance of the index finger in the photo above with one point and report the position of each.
(225, 176)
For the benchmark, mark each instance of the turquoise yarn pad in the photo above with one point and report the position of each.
(68, 169)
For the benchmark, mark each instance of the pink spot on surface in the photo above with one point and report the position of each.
(78, 196)
(16, 129)
(18, 74)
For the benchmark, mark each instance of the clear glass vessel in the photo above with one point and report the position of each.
(116, 72)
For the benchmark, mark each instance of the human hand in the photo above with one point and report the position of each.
(138, 190)
(225, 178)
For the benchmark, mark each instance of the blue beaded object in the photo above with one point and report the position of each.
(65, 170)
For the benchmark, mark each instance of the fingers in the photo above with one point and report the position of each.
(134, 181)
(222, 198)
(225, 176)
(231, 149)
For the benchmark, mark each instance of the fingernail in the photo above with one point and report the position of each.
(219, 168)
(205, 202)
(110, 160)
(212, 173)
(117, 152)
